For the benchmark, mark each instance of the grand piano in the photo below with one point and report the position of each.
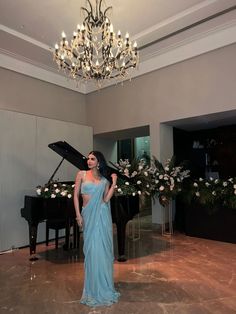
(37, 209)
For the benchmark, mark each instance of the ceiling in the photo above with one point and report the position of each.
(167, 31)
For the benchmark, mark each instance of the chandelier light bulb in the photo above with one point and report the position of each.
(111, 28)
(95, 39)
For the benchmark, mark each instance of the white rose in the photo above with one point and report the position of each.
(234, 186)
(214, 193)
(225, 183)
(133, 194)
(53, 195)
(145, 173)
(195, 184)
(46, 190)
(197, 194)
(126, 172)
(200, 179)
(55, 185)
(126, 183)
(139, 192)
(167, 168)
(139, 182)
(69, 195)
(38, 191)
(57, 190)
(156, 181)
(119, 190)
(161, 176)
(161, 188)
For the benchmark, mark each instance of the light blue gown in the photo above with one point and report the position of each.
(98, 247)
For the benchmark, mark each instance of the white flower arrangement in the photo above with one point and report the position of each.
(138, 179)
(153, 180)
(167, 179)
(214, 192)
(55, 190)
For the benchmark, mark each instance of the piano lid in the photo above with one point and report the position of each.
(69, 153)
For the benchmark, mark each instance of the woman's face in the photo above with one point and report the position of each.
(92, 161)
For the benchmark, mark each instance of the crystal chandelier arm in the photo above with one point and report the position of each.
(109, 8)
(86, 10)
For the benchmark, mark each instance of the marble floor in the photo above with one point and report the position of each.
(163, 274)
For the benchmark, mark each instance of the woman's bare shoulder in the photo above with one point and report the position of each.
(80, 174)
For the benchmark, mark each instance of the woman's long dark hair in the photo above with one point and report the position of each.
(103, 168)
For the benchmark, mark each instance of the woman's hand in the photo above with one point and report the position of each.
(79, 220)
(114, 179)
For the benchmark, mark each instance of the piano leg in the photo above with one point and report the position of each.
(121, 227)
(76, 234)
(33, 229)
(66, 246)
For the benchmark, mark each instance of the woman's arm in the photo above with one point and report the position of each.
(110, 190)
(78, 181)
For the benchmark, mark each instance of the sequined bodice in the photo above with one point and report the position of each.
(89, 187)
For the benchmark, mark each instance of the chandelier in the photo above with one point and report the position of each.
(96, 52)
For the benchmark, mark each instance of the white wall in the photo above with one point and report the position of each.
(26, 161)
(202, 85)
(107, 146)
(25, 94)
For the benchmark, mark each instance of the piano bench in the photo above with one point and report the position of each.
(55, 224)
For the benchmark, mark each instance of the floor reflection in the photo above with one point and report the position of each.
(175, 274)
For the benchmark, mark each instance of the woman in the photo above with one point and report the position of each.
(96, 220)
